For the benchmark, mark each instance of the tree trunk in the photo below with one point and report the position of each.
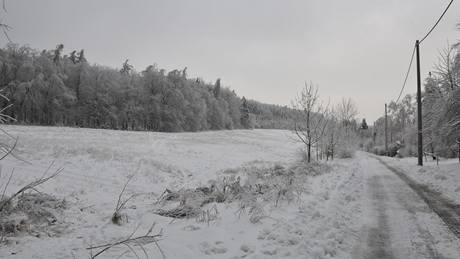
(458, 141)
(317, 154)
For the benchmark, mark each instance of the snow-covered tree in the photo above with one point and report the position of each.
(313, 118)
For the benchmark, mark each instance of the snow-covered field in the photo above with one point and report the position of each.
(322, 222)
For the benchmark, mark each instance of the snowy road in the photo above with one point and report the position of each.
(403, 219)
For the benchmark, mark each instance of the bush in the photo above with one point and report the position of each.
(302, 154)
(345, 152)
(407, 151)
(368, 145)
(379, 150)
(393, 149)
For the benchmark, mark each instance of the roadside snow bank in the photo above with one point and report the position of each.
(443, 178)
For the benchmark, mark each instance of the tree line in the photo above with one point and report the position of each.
(440, 113)
(51, 88)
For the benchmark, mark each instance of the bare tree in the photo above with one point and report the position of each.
(346, 111)
(445, 68)
(333, 136)
(313, 117)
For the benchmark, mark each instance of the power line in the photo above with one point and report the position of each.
(407, 74)
(419, 91)
(434, 26)
(413, 51)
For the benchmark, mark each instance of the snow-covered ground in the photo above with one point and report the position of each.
(98, 162)
(352, 208)
(443, 177)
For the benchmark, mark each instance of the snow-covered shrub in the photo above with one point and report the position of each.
(302, 154)
(345, 152)
(312, 169)
(407, 151)
(368, 145)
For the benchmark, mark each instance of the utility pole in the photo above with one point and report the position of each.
(374, 134)
(458, 143)
(386, 131)
(419, 108)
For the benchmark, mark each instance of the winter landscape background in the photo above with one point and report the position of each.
(117, 161)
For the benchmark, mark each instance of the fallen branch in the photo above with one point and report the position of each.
(130, 242)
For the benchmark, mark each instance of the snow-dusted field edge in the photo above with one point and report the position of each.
(322, 223)
(443, 177)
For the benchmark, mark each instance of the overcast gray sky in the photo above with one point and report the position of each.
(264, 49)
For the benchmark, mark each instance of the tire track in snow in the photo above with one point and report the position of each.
(448, 211)
(428, 246)
(378, 241)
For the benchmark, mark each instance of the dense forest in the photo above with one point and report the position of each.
(52, 88)
(440, 112)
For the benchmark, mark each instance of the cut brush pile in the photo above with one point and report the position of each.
(253, 190)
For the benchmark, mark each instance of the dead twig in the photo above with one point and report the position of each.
(130, 242)
(3, 117)
(121, 203)
(6, 186)
(117, 217)
(10, 149)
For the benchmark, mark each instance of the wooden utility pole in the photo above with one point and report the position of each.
(374, 133)
(419, 108)
(386, 131)
(458, 143)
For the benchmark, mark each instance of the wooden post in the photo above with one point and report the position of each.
(374, 133)
(386, 131)
(419, 107)
(458, 143)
